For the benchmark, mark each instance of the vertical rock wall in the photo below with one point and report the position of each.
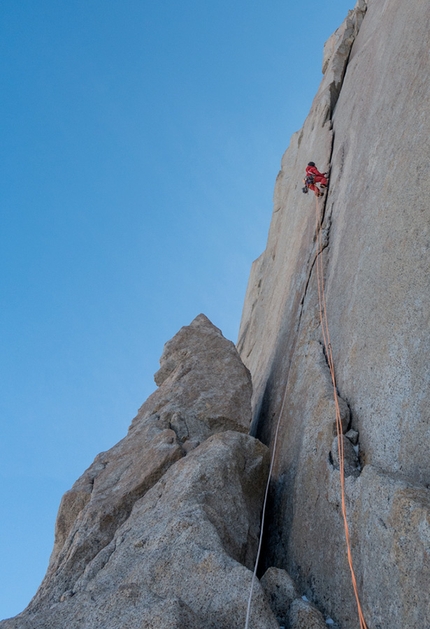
(370, 122)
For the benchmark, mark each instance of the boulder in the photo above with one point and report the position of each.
(183, 557)
(280, 591)
(351, 462)
(304, 615)
(352, 435)
(204, 389)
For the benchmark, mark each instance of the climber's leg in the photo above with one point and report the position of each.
(323, 181)
(315, 189)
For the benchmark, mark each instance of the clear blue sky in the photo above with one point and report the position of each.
(140, 142)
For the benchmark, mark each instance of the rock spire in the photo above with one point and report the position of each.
(161, 530)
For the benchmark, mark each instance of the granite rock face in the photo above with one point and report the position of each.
(203, 385)
(304, 615)
(280, 591)
(180, 558)
(291, 610)
(370, 125)
(161, 530)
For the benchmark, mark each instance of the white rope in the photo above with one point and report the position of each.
(263, 514)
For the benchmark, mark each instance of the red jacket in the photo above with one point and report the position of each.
(311, 170)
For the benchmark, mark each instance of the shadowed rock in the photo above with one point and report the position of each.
(351, 462)
(304, 615)
(280, 591)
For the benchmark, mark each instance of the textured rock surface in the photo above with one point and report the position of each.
(206, 383)
(179, 559)
(160, 531)
(370, 121)
(280, 276)
(203, 385)
(351, 463)
(280, 591)
(304, 615)
(393, 516)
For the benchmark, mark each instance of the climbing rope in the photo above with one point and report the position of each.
(329, 354)
(339, 431)
(263, 513)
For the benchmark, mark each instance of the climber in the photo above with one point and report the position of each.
(313, 176)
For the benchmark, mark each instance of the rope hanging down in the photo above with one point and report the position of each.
(263, 513)
(329, 355)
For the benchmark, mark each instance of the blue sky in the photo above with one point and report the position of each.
(140, 142)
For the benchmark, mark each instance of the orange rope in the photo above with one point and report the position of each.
(330, 360)
(329, 354)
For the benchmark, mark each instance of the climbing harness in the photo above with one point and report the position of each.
(328, 350)
(309, 180)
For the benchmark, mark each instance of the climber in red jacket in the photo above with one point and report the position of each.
(313, 176)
